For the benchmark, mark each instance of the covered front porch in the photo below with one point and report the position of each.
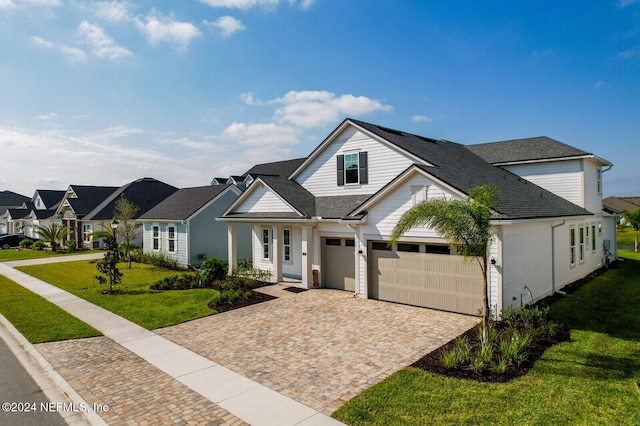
(290, 251)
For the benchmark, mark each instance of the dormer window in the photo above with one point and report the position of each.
(352, 169)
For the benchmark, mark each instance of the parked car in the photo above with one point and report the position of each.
(12, 240)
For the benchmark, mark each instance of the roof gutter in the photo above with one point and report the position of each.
(553, 258)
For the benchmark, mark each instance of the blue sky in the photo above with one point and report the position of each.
(102, 93)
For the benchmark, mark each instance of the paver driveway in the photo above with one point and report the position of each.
(320, 347)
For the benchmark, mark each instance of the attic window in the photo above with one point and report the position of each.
(352, 168)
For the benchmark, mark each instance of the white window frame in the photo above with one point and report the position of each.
(357, 164)
(599, 179)
(572, 246)
(86, 230)
(265, 241)
(171, 239)
(286, 246)
(594, 240)
(155, 237)
(581, 241)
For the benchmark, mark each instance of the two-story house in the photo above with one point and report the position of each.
(329, 222)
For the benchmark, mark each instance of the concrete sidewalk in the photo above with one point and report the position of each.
(244, 398)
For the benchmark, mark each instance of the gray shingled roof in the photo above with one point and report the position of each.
(620, 204)
(145, 193)
(298, 197)
(50, 197)
(277, 168)
(516, 150)
(88, 197)
(461, 168)
(183, 203)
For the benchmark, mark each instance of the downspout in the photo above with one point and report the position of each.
(553, 258)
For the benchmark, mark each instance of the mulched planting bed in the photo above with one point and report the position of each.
(430, 362)
(295, 289)
(241, 302)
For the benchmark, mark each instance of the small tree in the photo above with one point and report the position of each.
(53, 234)
(633, 220)
(466, 224)
(109, 263)
(125, 212)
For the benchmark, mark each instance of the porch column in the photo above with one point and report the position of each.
(232, 245)
(277, 253)
(357, 255)
(307, 256)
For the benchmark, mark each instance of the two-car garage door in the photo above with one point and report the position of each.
(424, 275)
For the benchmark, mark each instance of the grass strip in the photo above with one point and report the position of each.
(38, 319)
(134, 299)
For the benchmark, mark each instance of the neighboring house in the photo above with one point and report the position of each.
(45, 202)
(145, 193)
(329, 222)
(16, 220)
(9, 200)
(184, 225)
(618, 205)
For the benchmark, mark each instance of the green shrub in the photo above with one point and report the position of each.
(462, 349)
(514, 347)
(122, 248)
(213, 269)
(38, 245)
(71, 245)
(161, 260)
(245, 269)
(448, 357)
(177, 282)
(26, 243)
(499, 365)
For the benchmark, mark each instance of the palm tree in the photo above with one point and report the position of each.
(53, 233)
(466, 224)
(632, 219)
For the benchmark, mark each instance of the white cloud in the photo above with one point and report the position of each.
(239, 4)
(227, 25)
(47, 116)
(421, 119)
(48, 3)
(304, 4)
(625, 3)
(630, 53)
(114, 11)
(74, 54)
(317, 108)
(21, 4)
(101, 44)
(159, 29)
(7, 4)
(42, 42)
(260, 134)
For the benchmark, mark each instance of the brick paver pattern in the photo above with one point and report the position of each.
(319, 347)
(136, 393)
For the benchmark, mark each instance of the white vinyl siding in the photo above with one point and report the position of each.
(383, 164)
(563, 178)
(593, 197)
(261, 199)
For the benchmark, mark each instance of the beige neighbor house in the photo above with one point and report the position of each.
(328, 223)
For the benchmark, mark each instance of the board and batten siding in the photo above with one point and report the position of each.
(563, 178)
(385, 214)
(261, 199)
(384, 164)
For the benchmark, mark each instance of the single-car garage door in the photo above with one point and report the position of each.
(338, 263)
(424, 275)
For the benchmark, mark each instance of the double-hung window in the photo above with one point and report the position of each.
(266, 243)
(352, 168)
(171, 238)
(156, 237)
(581, 244)
(593, 237)
(86, 232)
(286, 244)
(572, 245)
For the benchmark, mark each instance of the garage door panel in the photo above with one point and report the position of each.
(339, 266)
(437, 281)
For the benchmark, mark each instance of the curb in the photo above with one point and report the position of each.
(53, 385)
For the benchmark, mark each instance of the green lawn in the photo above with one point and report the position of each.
(136, 302)
(36, 318)
(14, 254)
(590, 380)
(626, 237)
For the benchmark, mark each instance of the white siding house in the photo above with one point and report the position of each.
(329, 222)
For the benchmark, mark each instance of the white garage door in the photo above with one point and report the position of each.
(338, 263)
(424, 275)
